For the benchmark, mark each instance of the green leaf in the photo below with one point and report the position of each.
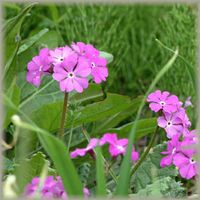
(113, 104)
(150, 169)
(100, 174)
(30, 41)
(124, 177)
(144, 127)
(12, 34)
(107, 56)
(164, 187)
(14, 94)
(112, 121)
(55, 149)
(32, 167)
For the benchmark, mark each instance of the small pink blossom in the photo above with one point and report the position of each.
(186, 164)
(188, 102)
(86, 50)
(163, 101)
(134, 155)
(98, 64)
(72, 74)
(172, 123)
(89, 149)
(52, 188)
(38, 66)
(58, 55)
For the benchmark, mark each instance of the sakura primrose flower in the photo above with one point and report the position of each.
(89, 149)
(173, 146)
(188, 102)
(98, 64)
(172, 123)
(187, 166)
(163, 101)
(38, 66)
(72, 73)
(52, 188)
(58, 55)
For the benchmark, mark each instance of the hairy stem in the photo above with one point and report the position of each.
(142, 158)
(63, 118)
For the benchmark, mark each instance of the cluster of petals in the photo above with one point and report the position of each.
(116, 146)
(52, 188)
(174, 120)
(70, 66)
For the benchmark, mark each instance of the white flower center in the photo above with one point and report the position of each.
(40, 68)
(70, 75)
(174, 150)
(162, 103)
(192, 161)
(120, 148)
(169, 123)
(93, 65)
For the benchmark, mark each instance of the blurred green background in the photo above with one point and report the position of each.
(129, 33)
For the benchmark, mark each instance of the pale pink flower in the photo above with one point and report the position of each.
(163, 101)
(38, 66)
(172, 123)
(186, 164)
(72, 74)
(58, 55)
(82, 151)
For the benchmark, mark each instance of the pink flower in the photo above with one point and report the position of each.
(188, 102)
(99, 70)
(38, 66)
(58, 55)
(86, 50)
(163, 101)
(172, 123)
(89, 149)
(72, 74)
(134, 155)
(186, 164)
(52, 188)
(116, 147)
(173, 146)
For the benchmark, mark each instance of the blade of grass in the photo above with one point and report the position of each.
(100, 174)
(124, 175)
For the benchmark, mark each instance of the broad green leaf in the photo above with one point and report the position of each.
(55, 149)
(12, 43)
(144, 127)
(114, 120)
(107, 56)
(30, 41)
(33, 167)
(150, 169)
(100, 173)
(124, 177)
(113, 104)
(163, 187)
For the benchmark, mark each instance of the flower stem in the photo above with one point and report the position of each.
(142, 158)
(63, 118)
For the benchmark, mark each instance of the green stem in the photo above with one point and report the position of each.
(70, 138)
(64, 111)
(142, 158)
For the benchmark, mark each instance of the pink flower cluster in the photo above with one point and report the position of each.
(52, 188)
(116, 146)
(174, 120)
(70, 66)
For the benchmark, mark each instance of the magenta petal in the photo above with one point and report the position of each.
(77, 152)
(82, 81)
(180, 160)
(155, 107)
(134, 155)
(162, 122)
(77, 86)
(108, 138)
(58, 76)
(187, 171)
(166, 161)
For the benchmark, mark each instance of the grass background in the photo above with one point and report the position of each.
(129, 33)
